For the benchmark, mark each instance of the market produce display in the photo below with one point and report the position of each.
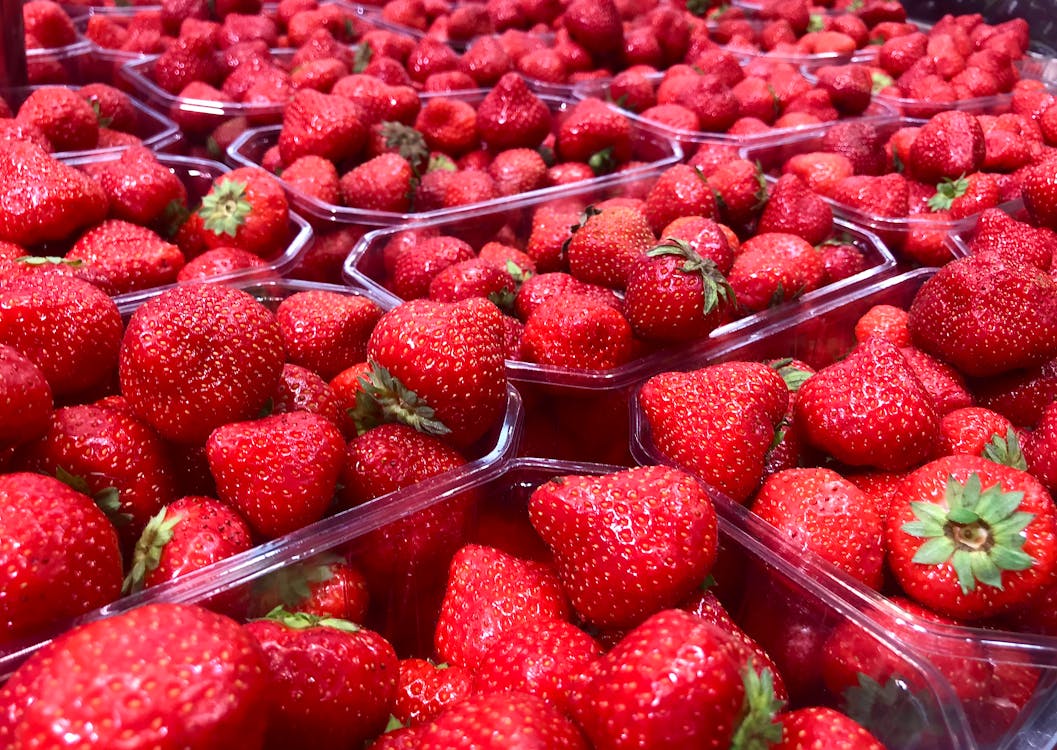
(565, 374)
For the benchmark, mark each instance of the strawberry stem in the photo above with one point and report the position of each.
(386, 399)
(714, 284)
(147, 555)
(225, 208)
(758, 729)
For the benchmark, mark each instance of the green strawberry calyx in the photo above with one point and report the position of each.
(147, 555)
(762, 192)
(793, 376)
(408, 142)
(881, 81)
(816, 22)
(108, 499)
(893, 711)
(584, 218)
(49, 260)
(758, 729)
(1006, 451)
(978, 532)
(947, 192)
(304, 621)
(362, 57)
(602, 162)
(293, 585)
(714, 284)
(225, 208)
(392, 725)
(385, 399)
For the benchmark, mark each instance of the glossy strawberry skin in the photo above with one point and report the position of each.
(511, 116)
(823, 727)
(138, 186)
(425, 689)
(25, 398)
(326, 332)
(120, 257)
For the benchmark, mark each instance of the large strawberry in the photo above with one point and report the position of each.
(594, 134)
(321, 125)
(246, 209)
(175, 677)
(577, 331)
(664, 547)
(440, 366)
(42, 519)
(333, 683)
(774, 267)
(607, 243)
(970, 538)
(326, 331)
(511, 116)
(869, 410)
(280, 471)
(718, 422)
(121, 257)
(987, 315)
(197, 357)
(948, 146)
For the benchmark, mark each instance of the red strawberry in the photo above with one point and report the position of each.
(119, 257)
(68, 328)
(450, 355)
(498, 720)
(425, 689)
(681, 191)
(794, 208)
(332, 682)
(303, 390)
(43, 519)
(850, 87)
(1040, 194)
(326, 331)
(949, 145)
(821, 171)
(577, 331)
(869, 409)
(970, 538)
(976, 431)
(321, 125)
(67, 120)
(415, 268)
(607, 244)
(604, 572)
(740, 191)
(315, 177)
(489, 592)
(511, 116)
(966, 196)
(828, 515)
(384, 183)
(823, 727)
(550, 230)
(885, 196)
(485, 61)
(171, 670)
(280, 471)
(884, 321)
(474, 278)
(596, 27)
(190, 58)
(25, 398)
(1040, 449)
(987, 315)
(718, 422)
(220, 262)
(671, 682)
(518, 170)
(140, 189)
(48, 23)
(323, 586)
(594, 134)
(197, 357)
(998, 232)
(841, 260)
(774, 267)
(247, 209)
(449, 126)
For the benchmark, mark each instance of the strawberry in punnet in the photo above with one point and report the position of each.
(324, 586)
(220, 261)
(965, 196)
(944, 384)
(321, 125)
(384, 183)
(774, 267)
(884, 196)
(43, 519)
(1040, 449)
(314, 176)
(25, 398)
(823, 727)
(67, 120)
(596, 27)
(675, 294)
(671, 682)
(332, 682)
(949, 145)
(247, 209)
(681, 191)
(596, 135)
(44, 199)
(577, 331)
(1022, 396)
(439, 367)
(1040, 194)
(326, 332)
(828, 515)
(488, 593)
(301, 389)
(190, 58)
(197, 357)
(794, 208)
(976, 431)
(425, 689)
(606, 245)
(415, 268)
(998, 232)
(518, 170)
(174, 676)
(511, 116)
(869, 410)
(68, 328)
(187, 534)
(48, 23)
(718, 422)
(140, 189)
(280, 471)
(987, 315)
(740, 190)
(821, 171)
(449, 126)
(970, 538)
(120, 257)
(474, 278)
(617, 578)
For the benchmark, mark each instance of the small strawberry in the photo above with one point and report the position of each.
(449, 126)
(384, 183)
(414, 269)
(774, 267)
(607, 244)
(680, 191)
(474, 278)
(325, 331)
(511, 116)
(966, 196)
(976, 431)
(190, 58)
(323, 586)
(577, 331)
(821, 171)
(945, 385)
(794, 208)
(1040, 449)
(425, 690)
(314, 176)
(594, 134)
(247, 209)
(885, 196)
(850, 87)
(119, 257)
(517, 171)
(48, 23)
(741, 191)
(596, 27)
(884, 321)
(25, 398)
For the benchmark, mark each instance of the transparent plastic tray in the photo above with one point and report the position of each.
(863, 54)
(819, 334)
(649, 147)
(197, 175)
(59, 65)
(485, 460)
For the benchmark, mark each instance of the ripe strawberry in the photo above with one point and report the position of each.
(828, 515)
(1040, 449)
(450, 355)
(740, 191)
(607, 244)
(174, 670)
(489, 592)
(774, 267)
(945, 385)
(425, 689)
(323, 586)
(794, 208)
(67, 120)
(325, 331)
(449, 126)
(190, 58)
(997, 315)
(511, 719)
(718, 422)
(680, 191)
(197, 357)
(869, 409)
(596, 135)
(321, 125)
(68, 328)
(415, 268)
(821, 171)
(1039, 188)
(119, 257)
(43, 519)
(841, 260)
(384, 183)
(949, 145)
(48, 23)
(485, 61)
(314, 176)
(884, 321)
(511, 116)
(474, 278)
(333, 683)
(966, 196)
(998, 232)
(25, 398)
(823, 727)
(139, 188)
(605, 577)
(247, 209)
(884, 196)
(577, 331)
(970, 538)
(596, 27)
(850, 87)
(672, 681)
(976, 431)
(220, 261)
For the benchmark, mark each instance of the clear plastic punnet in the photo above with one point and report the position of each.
(484, 459)
(1001, 685)
(59, 65)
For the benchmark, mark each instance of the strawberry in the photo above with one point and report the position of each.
(247, 209)
(489, 592)
(325, 331)
(323, 586)
(672, 681)
(860, 142)
(606, 245)
(518, 171)
(976, 431)
(577, 331)
(949, 145)
(596, 27)
(68, 328)
(321, 125)
(543, 286)
(884, 196)
(945, 385)
(139, 188)
(62, 200)
(1040, 194)
(594, 134)
(171, 670)
(1021, 395)
(884, 321)
(795, 209)
(119, 257)
(774, 267)
(970, 538)
(869, 409)
(474, 278)
(841, 260)
(828, 515)
(513, 719)
(25, 398)
(823, 727)
(1040, 449)
(998, 232)
(819, 170)
(280, 471)
(43, 519)
(675, 294)
(414, 269)
(314, 176)
(718, 422)
(425, 689)
(485, 61)
(191, 58)
(511, 116)
(449, 126)
(680, 191)
(604, 578)
(987, 315)
(220, 261)
(67, 120)
(48, 23)
(850, 87)
(450, 355)
(548, 235)
(384, 183)
(332, 682)
(197, 357)
(740, 191)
